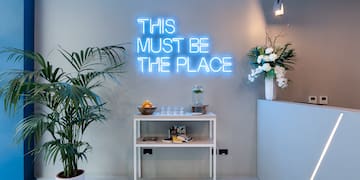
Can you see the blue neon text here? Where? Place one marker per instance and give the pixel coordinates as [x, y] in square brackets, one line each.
[160, 49]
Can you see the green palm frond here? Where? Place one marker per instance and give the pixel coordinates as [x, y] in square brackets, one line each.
[68, 100]
[16, 55]
[75, 95]
[77, 60]
[50, 74]
[34, 125]
[86, 80]
[94, 56]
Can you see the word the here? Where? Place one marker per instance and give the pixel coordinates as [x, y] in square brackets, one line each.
[185, 64]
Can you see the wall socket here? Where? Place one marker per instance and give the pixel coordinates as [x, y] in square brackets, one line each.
[223, 151]
[147, 151]
[312, 100]
[323, 100]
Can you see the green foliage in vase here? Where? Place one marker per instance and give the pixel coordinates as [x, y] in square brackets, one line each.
[67, 101]
[271, 60]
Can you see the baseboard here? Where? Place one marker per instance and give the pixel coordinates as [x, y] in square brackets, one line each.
[129, 178]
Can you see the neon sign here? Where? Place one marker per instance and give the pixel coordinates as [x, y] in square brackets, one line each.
[160, 49]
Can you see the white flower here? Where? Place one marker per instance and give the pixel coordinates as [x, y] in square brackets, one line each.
[282, 82]
[259, 59]
[280, 76]
[266, 67]
[251, 78]
[279, 71]
[266, 58]
[269, 50]
[273, 57]
[258, 70]
[254, 73]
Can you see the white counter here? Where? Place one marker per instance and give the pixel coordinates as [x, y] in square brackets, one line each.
[292, 137]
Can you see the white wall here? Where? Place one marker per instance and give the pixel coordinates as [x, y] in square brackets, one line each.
[234, 26]
[325, 34]
[292, 136]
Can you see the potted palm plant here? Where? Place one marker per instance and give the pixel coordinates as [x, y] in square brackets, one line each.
[66, 101]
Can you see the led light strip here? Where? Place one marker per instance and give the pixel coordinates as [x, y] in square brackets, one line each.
[327, 146]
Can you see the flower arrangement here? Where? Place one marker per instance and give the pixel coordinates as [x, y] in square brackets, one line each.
[272, 61]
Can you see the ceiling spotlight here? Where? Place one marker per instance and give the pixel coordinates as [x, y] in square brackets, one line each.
[278, 8]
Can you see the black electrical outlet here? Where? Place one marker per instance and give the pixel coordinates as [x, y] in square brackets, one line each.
[223, 151]
[147, 151]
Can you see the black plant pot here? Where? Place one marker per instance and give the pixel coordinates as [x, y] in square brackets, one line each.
[80, 176]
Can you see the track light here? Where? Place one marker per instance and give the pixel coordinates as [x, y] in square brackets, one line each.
[278, 8]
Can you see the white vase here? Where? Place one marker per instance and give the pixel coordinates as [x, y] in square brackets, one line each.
[79, 177]
[270, 89]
